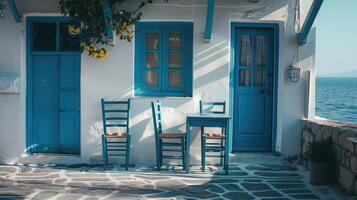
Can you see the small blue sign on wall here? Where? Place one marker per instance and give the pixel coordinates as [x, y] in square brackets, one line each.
[9, 84]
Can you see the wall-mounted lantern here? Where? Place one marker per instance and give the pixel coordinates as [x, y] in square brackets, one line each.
[294, 74]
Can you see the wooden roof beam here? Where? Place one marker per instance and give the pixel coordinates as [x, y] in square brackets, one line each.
[209, 21]
[14, 11]
[109, 21]
[309, 21]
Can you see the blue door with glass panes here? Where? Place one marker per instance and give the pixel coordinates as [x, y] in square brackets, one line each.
[53, 75]
[253, 89]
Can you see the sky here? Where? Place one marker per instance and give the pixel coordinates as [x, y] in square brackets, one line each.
[336, 37]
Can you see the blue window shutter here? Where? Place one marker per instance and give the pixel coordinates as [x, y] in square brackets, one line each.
[163, 30]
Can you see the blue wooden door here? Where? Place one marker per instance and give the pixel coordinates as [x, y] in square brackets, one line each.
[54, 87]
[56, 103]
[253, 89]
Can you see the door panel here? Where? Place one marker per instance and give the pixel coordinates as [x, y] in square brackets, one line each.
[253, 89]
[69, 97]
[45, 103]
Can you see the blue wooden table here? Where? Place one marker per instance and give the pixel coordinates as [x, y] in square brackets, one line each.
[207, 120]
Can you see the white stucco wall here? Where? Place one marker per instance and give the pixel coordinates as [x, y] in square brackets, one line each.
[12, 117]
[113, 78]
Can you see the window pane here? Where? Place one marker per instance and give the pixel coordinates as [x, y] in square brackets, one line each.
[244, 77]
[245, 57]
[151, 78]
[261, 51]
[175, 59]
[68, 42]
[174, 40]
[260, 76]
[175, 79]
[152, 41]
[152, 60]
[44, 36]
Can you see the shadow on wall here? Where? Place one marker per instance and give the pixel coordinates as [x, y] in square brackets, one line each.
[212, 66]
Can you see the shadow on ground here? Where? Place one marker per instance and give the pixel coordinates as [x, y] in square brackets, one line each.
[245, 182]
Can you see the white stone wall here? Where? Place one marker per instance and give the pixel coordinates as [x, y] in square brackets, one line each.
[113, 78]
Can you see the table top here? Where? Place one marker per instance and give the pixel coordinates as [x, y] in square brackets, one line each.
[207, 115]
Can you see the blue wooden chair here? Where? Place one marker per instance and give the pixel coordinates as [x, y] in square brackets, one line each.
[212, 142]
[170, 143]
[116, 115]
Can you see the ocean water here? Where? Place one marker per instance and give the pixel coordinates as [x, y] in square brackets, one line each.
[336, 99]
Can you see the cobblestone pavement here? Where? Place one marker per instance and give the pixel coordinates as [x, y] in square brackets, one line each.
[245, 182]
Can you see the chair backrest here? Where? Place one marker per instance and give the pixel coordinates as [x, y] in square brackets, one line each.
[116, 114]
[213, 107]
[157, 117]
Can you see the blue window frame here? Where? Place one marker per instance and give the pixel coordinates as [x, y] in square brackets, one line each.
[163, 58]
[51, 35]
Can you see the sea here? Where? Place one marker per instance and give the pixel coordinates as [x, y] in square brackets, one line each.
[336, 98]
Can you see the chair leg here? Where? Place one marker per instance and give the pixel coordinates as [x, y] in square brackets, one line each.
[104, 151]
[157, 142]
[225, 165]
[127, 154]
[221, 154]
[183, 153]
[203, 154]
[160, 154]
[226, 150]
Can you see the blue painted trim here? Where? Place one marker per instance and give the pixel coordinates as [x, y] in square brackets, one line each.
[14, 11]
[309, 21]
[275, 27]
[29, 91]
[109, 19]
[162, 29]
[209, 20]
[29, 74]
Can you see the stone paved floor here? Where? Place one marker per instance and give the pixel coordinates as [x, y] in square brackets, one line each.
[245, 182]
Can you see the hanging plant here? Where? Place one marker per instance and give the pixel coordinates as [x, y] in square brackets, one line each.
[92, 30]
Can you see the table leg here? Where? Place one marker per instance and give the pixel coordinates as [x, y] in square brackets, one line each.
[226, 153]
[187, 163]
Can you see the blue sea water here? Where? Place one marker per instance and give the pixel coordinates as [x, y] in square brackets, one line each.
[336, 98]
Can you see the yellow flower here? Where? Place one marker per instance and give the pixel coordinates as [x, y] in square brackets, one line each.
[94, 55]
[74, 30]
[86, 48]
